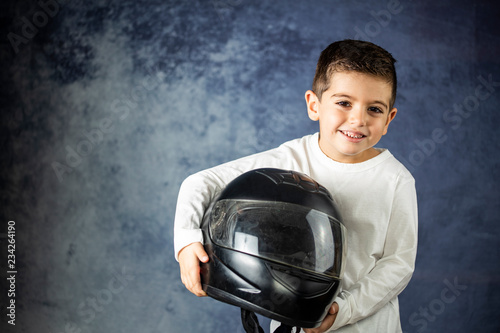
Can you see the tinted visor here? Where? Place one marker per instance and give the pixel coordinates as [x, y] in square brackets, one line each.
[282, 232]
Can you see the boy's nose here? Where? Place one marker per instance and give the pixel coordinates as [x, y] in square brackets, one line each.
[357, 117]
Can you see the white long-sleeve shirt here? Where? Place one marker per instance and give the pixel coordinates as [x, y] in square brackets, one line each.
[377, 201]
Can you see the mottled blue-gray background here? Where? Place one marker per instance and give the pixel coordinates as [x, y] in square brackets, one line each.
[106, 106]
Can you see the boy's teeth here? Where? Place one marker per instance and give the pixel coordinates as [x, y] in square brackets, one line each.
[351, 135]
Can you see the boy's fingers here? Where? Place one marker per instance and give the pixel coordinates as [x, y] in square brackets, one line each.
[198, 291]
[325, 325]
[327, 322]
[334, 308]
[189, 259]
[194, 281]
[201, 253]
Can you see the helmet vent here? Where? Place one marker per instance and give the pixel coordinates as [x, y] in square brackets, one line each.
[300, 282]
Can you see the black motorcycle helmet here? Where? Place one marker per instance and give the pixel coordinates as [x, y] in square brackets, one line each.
[276, 247]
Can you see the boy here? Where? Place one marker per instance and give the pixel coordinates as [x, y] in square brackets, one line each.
[353, 95]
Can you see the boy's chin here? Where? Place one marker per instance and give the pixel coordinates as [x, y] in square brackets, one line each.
[355, 156]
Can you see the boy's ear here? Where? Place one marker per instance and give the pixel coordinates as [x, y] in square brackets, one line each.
[312, 103]
[390, 117]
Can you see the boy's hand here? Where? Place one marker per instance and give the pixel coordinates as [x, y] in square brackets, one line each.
[189, 262]
[327, 322]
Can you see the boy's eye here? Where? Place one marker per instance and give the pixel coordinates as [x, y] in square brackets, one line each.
[344, 103]
[375, 109]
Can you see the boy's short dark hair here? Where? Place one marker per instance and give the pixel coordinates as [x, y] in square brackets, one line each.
[354, 55]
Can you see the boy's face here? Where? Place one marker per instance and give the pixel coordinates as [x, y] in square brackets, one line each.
[353, 115]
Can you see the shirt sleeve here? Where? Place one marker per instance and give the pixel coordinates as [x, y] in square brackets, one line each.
[198, 190]
[393, 270]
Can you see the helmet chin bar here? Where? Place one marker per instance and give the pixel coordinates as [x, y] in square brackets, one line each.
[276, 248]
[288, 298]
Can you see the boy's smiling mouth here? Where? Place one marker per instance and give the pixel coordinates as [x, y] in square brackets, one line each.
[352, 134]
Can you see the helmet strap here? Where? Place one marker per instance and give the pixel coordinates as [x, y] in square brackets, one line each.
[250, 322]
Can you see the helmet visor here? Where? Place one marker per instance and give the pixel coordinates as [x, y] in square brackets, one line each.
[281, 232]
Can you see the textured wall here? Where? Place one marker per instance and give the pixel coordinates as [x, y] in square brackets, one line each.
[106, 106]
